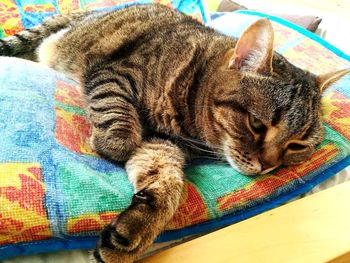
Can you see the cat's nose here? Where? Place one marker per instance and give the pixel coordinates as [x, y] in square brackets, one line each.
[269, 159]
[267, 166]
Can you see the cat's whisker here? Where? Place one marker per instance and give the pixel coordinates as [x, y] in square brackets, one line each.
[202, 143]
[301, 180]
[217, 160]
[207, 151]
[201, 149]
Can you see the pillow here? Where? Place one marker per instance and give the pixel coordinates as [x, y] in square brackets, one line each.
[23, 14]
[56, 193]
[309, 22]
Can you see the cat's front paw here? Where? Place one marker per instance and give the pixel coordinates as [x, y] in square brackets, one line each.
[114, 247]
[131, 233]
[156, 172]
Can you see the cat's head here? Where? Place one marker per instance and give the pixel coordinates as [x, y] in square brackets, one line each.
[263, 111]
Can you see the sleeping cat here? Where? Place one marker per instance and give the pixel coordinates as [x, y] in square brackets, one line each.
[156, 80]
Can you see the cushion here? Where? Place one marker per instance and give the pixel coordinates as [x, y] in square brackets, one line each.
[56, 193]
[309, 22]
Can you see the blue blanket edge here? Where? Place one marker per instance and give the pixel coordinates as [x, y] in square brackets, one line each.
[89, 242]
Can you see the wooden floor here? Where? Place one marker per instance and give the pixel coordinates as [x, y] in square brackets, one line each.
[315, 229]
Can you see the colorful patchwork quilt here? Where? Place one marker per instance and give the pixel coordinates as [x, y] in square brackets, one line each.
[16, 15]
[57, 193]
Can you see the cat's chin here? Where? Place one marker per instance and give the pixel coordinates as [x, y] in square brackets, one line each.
[241, 170]
[253, 169]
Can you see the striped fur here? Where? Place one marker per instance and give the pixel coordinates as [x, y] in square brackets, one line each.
[149, 72]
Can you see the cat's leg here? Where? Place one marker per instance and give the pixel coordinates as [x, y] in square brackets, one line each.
[116, 129]
[156, 173]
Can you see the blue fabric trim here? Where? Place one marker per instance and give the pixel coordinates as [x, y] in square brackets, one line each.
[300, 30]
[204, 10]
[44, 246]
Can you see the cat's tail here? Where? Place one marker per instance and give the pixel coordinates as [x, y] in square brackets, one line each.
[24, 43]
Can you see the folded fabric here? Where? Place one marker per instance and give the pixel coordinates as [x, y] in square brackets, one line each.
[309, 22]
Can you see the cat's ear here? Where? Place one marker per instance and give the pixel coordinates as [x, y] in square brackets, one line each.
[325, 80]
[254, 49]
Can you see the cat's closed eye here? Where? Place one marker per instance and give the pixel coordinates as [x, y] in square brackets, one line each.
[297, 147]
[256, 125]
[297, 152]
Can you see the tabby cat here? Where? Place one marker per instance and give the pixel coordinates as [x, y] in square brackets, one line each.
[156, 80]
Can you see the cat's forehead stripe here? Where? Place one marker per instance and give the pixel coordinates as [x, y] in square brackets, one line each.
[276, 118]
[231, 104]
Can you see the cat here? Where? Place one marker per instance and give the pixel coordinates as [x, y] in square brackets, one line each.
[156, 80]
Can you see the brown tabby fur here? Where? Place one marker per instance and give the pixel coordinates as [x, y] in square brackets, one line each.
[156, 80]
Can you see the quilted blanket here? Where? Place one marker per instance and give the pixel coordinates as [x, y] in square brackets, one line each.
[57, 193]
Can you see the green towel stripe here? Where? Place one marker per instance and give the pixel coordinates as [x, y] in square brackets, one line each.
[69, 108]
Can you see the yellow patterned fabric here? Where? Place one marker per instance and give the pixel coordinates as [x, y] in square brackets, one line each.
[23, 216]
